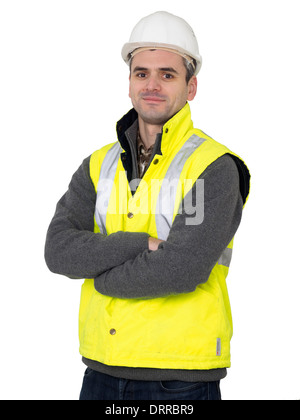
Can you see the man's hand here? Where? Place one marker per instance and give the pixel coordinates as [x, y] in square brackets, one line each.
[153, 243]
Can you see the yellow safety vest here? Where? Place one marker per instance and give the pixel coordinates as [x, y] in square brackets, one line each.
[187, 331]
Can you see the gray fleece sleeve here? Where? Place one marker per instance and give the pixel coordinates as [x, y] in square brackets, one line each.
[186, 259]
[72, 248]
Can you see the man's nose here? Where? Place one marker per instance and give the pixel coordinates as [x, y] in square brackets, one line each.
[153, 83]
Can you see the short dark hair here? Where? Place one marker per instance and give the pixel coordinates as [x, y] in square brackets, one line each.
[190, 69]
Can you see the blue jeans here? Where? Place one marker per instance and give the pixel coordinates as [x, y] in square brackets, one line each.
[98, 386]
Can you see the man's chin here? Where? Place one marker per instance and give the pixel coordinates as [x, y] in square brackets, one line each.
[154, 118]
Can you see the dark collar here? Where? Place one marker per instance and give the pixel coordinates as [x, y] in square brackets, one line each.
[122, 126]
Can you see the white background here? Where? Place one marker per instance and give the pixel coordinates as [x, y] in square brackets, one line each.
[63, 86]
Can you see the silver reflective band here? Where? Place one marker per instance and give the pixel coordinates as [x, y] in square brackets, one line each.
[225, 258]
[106, 184]
[166, 199]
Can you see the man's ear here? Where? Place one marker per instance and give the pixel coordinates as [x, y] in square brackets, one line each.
[192, 88]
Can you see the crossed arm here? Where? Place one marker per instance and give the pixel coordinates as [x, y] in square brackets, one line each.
[134, 265]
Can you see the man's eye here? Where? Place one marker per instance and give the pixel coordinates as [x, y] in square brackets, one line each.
[141, 75]
[167, 76]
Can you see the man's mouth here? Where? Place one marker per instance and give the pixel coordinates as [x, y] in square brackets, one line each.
[153, 97]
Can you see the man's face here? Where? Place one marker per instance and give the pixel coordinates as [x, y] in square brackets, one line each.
[158, 88]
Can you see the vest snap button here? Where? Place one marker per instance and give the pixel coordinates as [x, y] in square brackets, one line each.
[130, 215]
[155, 162]
[113, 331]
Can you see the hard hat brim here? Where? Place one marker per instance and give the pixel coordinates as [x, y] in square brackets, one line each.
[129, 47]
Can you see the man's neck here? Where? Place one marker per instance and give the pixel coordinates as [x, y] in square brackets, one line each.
[148, 133]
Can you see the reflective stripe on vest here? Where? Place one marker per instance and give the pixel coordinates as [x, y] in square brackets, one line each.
[105, 185]
[225, 258]
[165, 201]
[167, 195]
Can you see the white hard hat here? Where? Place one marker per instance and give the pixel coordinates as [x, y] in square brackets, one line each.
[163, 30]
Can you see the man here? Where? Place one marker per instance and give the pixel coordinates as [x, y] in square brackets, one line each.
[149, 221]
